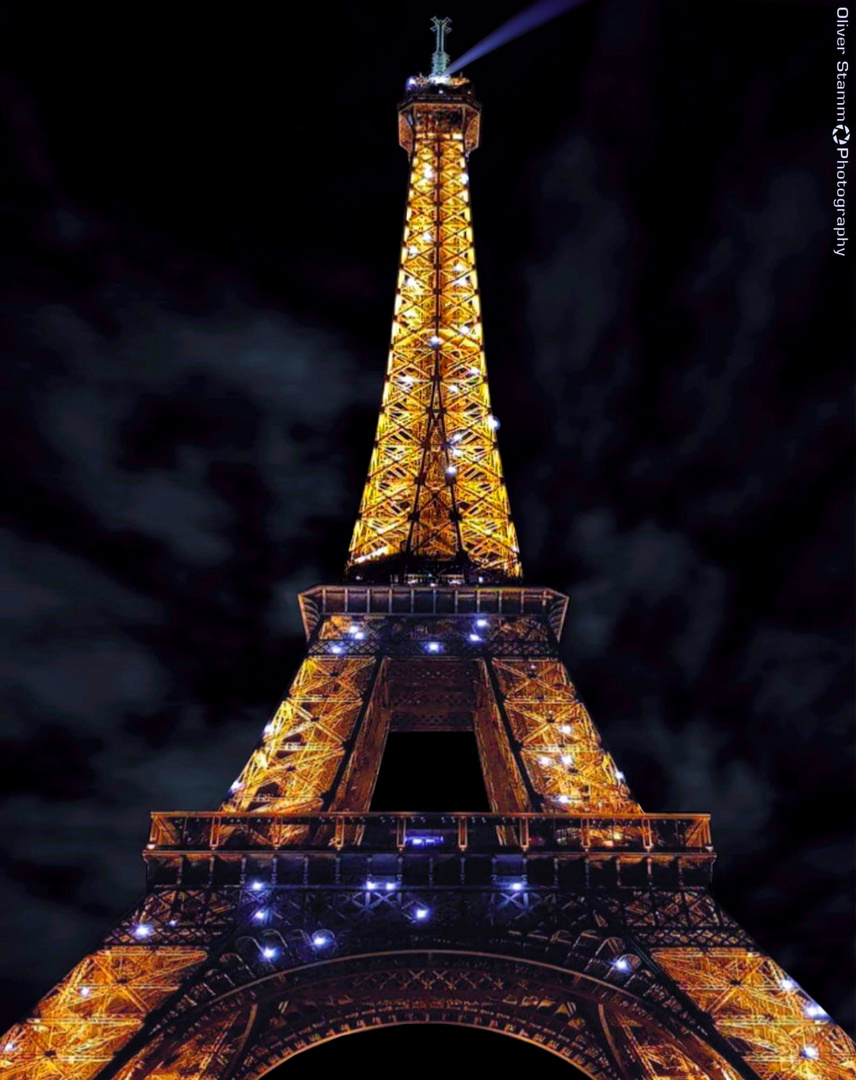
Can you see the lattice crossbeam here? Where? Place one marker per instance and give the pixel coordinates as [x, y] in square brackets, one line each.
[79, 1026]
[559, 745]
[780, 1031]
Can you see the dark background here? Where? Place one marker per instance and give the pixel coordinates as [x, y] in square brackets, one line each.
[201, 211]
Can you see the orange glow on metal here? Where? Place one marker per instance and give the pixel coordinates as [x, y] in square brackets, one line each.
[435, 487]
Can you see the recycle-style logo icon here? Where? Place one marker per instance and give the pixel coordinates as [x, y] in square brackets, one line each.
[841, 134]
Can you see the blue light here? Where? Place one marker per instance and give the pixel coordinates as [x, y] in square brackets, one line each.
[260, 915]
[424, 841]
[474, 637]
[621, 964]
[390, 886]
[270, 953]
[336, 649]
[518, 886]
[257, 886]
[421, 913]
[481, 622]
[433, 646]
[371, 885]
[320, 940]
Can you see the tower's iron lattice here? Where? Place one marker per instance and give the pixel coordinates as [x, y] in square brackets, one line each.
[566, 916]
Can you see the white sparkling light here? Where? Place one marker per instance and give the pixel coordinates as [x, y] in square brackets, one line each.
[481, 622]
[474, 637]
[269, 953]
[320, 940]
[260, 915]
[142, 930]
[492, 422]
[433, 646]
[421, 913]
[256, 886]
[810, 1052]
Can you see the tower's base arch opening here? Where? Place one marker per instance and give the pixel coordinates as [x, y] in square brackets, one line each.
[254, 1032]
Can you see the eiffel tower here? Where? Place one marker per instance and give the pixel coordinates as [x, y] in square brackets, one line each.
[564, 916]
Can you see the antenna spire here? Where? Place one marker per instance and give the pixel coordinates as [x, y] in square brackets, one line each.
[440, 59]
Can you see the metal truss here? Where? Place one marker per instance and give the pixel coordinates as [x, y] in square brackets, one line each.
[303, 747]
[435, 492]
[780, 1031]
[78, 1027]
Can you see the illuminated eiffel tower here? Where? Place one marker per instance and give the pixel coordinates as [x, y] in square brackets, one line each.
[565, 916]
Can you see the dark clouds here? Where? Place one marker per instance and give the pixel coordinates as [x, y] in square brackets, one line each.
[199, 279]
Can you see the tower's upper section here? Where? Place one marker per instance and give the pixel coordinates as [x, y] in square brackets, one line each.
[435, 503]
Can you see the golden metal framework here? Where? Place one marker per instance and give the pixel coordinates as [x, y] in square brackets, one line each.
[566, 917]
[435, 494]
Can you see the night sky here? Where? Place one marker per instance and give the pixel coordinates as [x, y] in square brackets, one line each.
[201, 216]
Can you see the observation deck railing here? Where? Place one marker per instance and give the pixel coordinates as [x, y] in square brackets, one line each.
[602, 835]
